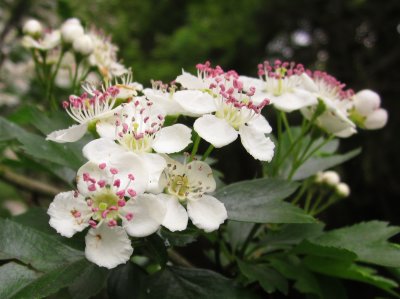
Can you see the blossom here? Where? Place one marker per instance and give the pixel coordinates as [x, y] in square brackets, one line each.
[110, 201]
[286, 84]
[104, 56]
[47, 42]
[33, 28]
[235, 114]
[71, 29]
[366, 111]
[336, 101]
[138, 128]
[188, 185]
[83, 45]
[85, 110]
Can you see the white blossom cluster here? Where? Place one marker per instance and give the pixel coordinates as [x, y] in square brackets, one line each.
[130, 186]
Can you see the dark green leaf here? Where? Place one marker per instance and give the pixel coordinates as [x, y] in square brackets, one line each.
[260, 201]
[42, 251]
[155, 247]
[14, 277]
[89, 282]
[183, 283]
[368, 240]
[180, 239]
[269, 279]
[339, 254]
[237, 233]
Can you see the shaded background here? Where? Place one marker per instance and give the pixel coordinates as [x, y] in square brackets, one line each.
[357, 41]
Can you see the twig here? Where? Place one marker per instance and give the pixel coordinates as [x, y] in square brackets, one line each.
[27, 183]
[178, 259]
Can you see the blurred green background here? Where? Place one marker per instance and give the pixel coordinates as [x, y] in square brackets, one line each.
[358, 41]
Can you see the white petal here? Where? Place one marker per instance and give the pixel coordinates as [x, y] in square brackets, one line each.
[163, 101]
[176, 217]
[249, 82]
[108, 247]
[155, 165]
[106, 128]
[295, 100]
[172, 139]
[101, 150]
[260, 124]
[62, 210]
[308, 83]
[189, 81]
[95, 172]
[200, 176]
[215, 130]
[346, 132]
[207, 213]
[148, 214]
[376, 120]
[195, 102]
[256, 144]
[72, 134]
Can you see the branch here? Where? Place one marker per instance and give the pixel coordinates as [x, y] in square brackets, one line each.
[27, 183]
[178, 259]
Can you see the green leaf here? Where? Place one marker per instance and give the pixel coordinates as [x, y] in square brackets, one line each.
[237, 233]
[293, 233]
[155, 248]
[260, 201]
[343, 269]
[126, 282]
[89, 282]
[63, 154]
[269, 279]
[179, 239]
[32, 247]
[368, 240]
[339, 254]
[13, 278]
[183, 283]
[320, 163]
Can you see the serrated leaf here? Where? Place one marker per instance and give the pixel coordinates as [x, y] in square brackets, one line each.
[32, 247]
[368, 240]
[177, 238]
[89, 282]
[269, 279]
[340, 254]
[261, 201]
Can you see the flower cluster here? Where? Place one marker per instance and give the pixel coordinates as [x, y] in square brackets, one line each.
[131, 185]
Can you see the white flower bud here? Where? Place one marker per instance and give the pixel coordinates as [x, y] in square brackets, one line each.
[343, 190]
[331, 178]
[33, 28]
[83, 45]
[366, 101]
[71, 29]
[376, 120]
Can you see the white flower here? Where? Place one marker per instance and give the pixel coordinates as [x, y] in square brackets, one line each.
[139, 129]
[49, 41]
[366, 111]
[331, 178]
[235, 115]
[343, 190]
[71, 29]
[33, 28]
[106, 196]
[104, 56]
[127, 88]
[335, 119]
[187, 185]
[85, 110]
[83, 45]
[286, 84]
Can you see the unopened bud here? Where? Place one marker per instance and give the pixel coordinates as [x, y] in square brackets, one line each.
[366, 101]
[343, 190]
[83, 45]
[331, 178]
[71, 30]
[376, 120]
[33, 28]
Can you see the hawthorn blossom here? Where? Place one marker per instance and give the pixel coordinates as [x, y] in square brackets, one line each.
[47, 41]
[104, 56]
[286, 84]
[336, 100]
[86, 111]
[187, 186]
[110, 201]
[138, 128]
[366, 111]
[235, 114]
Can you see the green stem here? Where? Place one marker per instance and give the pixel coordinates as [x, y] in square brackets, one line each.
[330, 202]
[195, 147]
[302, 190]
[250, 236]
[287, 126]
[208, 152]
[308, 200]
[75, 76]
